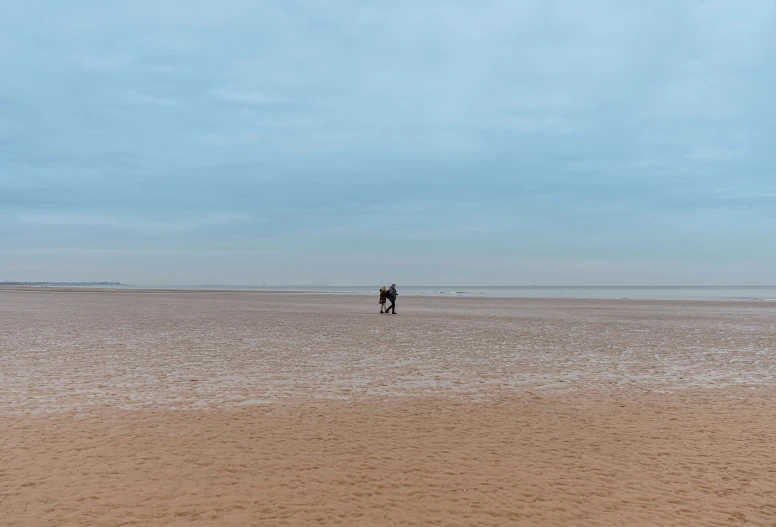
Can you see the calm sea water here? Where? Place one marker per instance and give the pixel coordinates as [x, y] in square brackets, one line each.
[636, 292]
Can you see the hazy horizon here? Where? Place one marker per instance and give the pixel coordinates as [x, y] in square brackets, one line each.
[594, 144]
[415, 285]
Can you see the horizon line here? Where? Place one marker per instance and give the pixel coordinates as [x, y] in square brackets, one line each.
[444, 285]
[116, 282]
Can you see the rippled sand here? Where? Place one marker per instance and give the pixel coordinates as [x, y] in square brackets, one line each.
[150, 408]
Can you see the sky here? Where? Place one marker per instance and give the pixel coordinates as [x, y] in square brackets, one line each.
[512, 142]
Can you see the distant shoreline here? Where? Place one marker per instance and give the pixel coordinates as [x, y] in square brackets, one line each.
[305, 287]
[61, 284]
[414, 293]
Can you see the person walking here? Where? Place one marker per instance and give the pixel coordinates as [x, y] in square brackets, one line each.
[392, 294]
[383, 296]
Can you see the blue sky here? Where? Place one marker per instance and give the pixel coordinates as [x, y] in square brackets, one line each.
[481, 143]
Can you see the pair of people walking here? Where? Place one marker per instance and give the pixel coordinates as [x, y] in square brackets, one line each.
[391, 295]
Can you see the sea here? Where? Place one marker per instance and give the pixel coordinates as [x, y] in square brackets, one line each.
[740, 293]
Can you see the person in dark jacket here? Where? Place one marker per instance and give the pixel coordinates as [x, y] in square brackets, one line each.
[392, 294]
[383, 296]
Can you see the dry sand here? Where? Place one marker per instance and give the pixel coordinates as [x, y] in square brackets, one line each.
[159, 408]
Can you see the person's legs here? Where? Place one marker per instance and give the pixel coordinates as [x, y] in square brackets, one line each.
[382, 307]
[392, 306]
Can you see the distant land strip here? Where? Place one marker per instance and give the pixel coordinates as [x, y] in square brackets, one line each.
[55, 284]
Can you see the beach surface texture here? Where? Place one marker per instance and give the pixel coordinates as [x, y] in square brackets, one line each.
[151, 408]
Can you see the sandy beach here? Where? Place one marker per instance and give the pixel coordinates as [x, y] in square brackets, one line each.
[237, 408]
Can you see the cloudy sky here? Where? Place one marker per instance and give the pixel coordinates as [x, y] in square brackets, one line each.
[419, 142]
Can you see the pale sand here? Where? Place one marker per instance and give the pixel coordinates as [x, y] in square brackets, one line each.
[124, 408]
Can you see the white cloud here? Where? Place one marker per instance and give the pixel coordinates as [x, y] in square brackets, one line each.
[246, 97]
[156, 226]
[709, 153]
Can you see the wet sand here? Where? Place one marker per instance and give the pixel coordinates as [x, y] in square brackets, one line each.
[149, 408]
